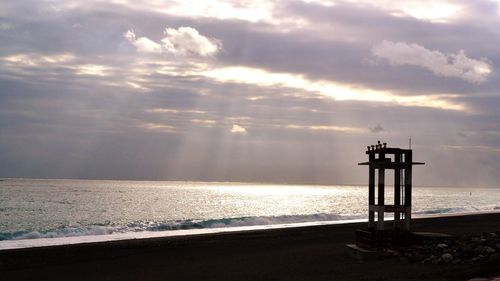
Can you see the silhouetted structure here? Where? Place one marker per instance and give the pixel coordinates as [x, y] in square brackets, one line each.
[383, 158]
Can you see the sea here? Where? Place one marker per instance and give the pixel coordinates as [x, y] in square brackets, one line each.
[42, 212]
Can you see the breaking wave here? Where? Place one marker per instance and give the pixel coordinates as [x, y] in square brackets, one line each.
[457, 210]
[446, 211]
[170, 225]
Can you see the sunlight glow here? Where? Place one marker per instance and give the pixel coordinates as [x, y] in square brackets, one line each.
[483, 69]
[175, 111]
[136, 86]
[206, 122]
[480, 148]
[285, 190]
[334, 90]
[158, 127]
[252, 11]
[328, 128]
[256, 98]
[139, 75]
[431, 11]
[64, 60]
[91, 69]
[327, 3]
[37, 60]
[268, 11]
[237, 129]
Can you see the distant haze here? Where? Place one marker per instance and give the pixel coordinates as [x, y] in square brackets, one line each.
[260, 91]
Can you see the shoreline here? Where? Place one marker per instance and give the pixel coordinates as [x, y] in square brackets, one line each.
[88, 239]
[301, 253]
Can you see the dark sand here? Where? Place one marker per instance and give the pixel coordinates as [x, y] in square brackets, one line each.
[308, 253]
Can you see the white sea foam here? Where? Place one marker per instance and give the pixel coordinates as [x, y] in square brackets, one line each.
[70, 240]
[66, 232]
[76, 239]
[447, 211]
[140, 230]
[152, 226]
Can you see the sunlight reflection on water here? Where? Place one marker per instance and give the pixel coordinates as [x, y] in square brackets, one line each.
[52, 208]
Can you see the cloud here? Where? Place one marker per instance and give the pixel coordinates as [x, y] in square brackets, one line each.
[377, 129]
[447, 65]
[237, 129]
[6, 26]
[181, 41]
[143, 44]
[188, 41]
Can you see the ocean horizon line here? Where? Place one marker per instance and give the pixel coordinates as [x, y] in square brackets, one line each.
[234, 182]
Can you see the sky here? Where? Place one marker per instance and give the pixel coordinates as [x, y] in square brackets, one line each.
[255, 91]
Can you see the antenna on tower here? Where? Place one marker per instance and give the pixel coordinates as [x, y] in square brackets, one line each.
[409, 143]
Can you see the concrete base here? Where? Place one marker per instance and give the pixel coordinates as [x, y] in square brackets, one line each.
[433, 235]
[419, 237]
[362, 254]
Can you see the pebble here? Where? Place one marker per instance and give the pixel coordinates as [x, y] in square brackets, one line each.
[478, 249]
[464, 249]
[429, 259]
[489, 250]
[495, 257]
[447, 258]
[469, 248]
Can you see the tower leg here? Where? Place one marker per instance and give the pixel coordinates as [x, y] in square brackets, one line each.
[397, 190]
[381, 193]
[371, 198]
[408, 159]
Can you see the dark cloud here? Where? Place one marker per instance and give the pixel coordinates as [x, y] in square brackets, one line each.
[377, 129]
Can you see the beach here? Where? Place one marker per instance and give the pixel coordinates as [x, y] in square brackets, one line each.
[303, 253]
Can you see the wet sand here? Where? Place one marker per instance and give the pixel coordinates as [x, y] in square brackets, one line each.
[306, 253]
